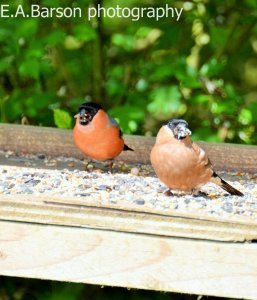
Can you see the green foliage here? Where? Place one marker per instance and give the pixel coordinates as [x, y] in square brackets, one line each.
[166, 102]
[31, 289]
[67, 291]
[62, 119]
[201, 68]
[127, 117]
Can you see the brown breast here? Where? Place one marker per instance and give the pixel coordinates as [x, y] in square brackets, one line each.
[180, 164]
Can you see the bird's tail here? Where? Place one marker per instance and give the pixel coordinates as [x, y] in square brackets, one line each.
[223, 184]
[127, 148]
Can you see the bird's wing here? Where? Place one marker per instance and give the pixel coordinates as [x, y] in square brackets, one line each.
[215, 178]
[202, 156]
[113, 122]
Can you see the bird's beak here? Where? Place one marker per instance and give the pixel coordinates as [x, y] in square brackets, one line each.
[188, 131]
[77, 115]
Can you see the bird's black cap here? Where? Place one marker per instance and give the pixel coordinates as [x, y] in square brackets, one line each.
[90, 106]
[179, 128]
[174, 122]
[87, 111]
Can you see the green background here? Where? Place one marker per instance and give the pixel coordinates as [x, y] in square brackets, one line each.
[31, 289]
[202, 68]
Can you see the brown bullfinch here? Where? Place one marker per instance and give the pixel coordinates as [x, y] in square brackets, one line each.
[97, 135]
[181, 164]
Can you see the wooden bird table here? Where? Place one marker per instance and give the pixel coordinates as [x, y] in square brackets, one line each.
[84, 238]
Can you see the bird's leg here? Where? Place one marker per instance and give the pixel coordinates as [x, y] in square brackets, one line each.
[168, 193]
[86, 165]
[110, 166]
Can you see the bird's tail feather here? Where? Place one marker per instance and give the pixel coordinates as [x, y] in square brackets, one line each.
[223, 184]
[127, 148]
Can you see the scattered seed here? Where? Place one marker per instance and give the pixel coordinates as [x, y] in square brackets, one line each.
[140, 201]
[134, 186]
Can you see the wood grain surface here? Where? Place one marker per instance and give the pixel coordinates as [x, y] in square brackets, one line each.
[58, 142]
[128, 260]
[79, 213]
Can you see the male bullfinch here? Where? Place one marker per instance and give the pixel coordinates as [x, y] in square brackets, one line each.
[181, 164]
[97, 135]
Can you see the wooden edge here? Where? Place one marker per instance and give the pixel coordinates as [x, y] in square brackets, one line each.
[77, 213]
[128, 260]
[130, 207]
[58, 142]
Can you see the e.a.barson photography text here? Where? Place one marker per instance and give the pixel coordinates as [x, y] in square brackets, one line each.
[117, 11]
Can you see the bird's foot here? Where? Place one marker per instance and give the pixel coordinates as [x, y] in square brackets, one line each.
[197, 193]
[110, 167]
[86, 164]
[168, 193]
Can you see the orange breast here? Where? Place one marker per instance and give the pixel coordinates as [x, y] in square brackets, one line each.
[98, 140]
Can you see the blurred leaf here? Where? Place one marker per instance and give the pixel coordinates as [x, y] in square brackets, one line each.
[146, 37]
[115, 87]
[188, 77]
[251, 3]
[253, 109]
[245, 136]
[35, 50]
[56, 37]
[205, 134]
[52, 3]
[62, 119]
[245, 116]
[84, 33]
[128, 117]
[163, 72]
[127, 42]
[212, 67]
[166, 101]
[27, 28]
[72, 43]
[4, 33]
[201, 99]
[5, 63]
[232, 95]
[142, 85]
[219, 36]
[222, 107]
[29, 68]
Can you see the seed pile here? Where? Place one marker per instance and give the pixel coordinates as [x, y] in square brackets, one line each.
[129, 185]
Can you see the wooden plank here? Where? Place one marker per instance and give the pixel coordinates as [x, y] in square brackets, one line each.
[128, 260]
[71, 239]
[58, 142]
[77, 212]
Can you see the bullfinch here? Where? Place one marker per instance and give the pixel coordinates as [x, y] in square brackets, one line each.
[97, 135]
[181, 164]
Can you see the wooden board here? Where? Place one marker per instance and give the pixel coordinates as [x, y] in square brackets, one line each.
[69, 239]
[128, 260]
[58, 142]
[77, 212]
